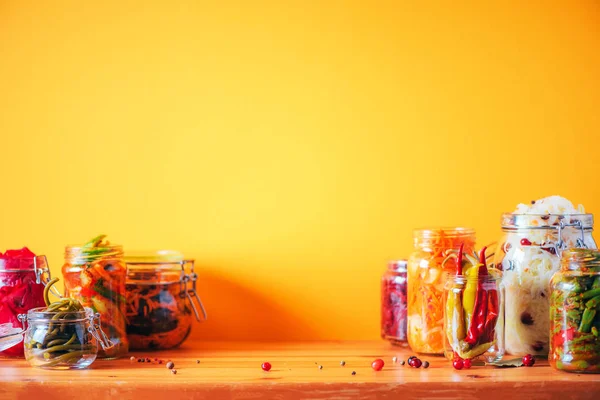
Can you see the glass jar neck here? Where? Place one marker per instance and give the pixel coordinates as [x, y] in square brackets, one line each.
[154, 273]
[444, 238]
[582, 260]
[397, 266]
[81, 255]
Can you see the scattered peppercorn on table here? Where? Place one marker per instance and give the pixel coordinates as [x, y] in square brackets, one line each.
[232, 370]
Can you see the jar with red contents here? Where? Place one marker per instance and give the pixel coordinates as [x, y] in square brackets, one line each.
[22, 279]
[393, 303]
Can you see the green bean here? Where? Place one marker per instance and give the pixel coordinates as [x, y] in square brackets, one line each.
[65, 358]
[590, 293]
[47, 290]
[593, 303]
[586, 320]
[596, 283]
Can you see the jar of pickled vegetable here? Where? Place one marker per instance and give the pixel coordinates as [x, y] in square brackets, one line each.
[426, 285]
[528, 255]
[22, 279]
[62, 339]
[575, 313]
[393, 303]
[161, 300]
[473, 311]
[95, 275]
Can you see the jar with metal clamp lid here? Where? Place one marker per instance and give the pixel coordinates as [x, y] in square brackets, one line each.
[22, 279]
[58, 339]
[529, 254]
[162, 300]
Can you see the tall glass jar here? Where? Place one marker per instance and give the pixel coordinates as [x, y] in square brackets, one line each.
[95, 275]
[22, 279]
[161, 300]
[474, 316]
[528, 255]
[575, 313]
[426, 285]
[393, 303]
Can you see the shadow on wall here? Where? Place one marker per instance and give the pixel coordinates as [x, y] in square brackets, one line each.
[236, 312]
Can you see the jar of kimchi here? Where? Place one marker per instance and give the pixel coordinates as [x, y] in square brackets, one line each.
[426, 285]
[574, 316]
[95, 274]
[161, 300]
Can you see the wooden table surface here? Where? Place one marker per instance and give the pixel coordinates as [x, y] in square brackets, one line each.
[232, 371]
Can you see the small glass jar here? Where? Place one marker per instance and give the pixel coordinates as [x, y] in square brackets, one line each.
[161, 300]
[21, 289]
[97, 279]
[575, 313]
[393, 303]
[474, 316]
[528, 255]
[61, 340]
[426, 285]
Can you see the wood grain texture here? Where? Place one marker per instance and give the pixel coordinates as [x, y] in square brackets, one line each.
[232, 371]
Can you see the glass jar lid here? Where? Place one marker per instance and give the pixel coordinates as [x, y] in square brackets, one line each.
[583, 260]
[514, 222]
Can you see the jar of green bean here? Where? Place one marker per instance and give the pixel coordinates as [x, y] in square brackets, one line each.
[62, 339]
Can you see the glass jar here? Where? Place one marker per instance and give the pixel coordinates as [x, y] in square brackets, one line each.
[393, 303]
[528, 256]
[474, 316]
[22, 282]
[61, 340]
[426, 285]
[161, 300]
[575, 313]
[96, 277]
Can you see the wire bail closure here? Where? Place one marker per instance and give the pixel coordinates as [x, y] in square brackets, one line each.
[95, 329]
[580, 243]
[188, 285]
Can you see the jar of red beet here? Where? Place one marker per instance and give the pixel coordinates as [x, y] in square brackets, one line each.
[22, 279]
[393, 303]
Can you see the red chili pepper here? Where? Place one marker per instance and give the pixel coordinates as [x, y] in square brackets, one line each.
[492, 315]
[459, 259]
[478, 319]
[482, 260]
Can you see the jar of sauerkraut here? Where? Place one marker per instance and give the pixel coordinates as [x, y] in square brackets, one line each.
[426, 285]
[529, 254]
[161, 300]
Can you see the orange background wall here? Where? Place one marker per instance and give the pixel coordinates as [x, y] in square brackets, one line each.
[290, 147]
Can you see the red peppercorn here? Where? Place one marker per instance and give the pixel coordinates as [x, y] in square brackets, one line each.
[467, 363]
[458, 363]
[266, 366]
[525, 242]
[528, 360]
[378, 364]
[416, 363]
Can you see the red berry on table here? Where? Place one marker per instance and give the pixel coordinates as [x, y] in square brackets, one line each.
[266, 366]
[458, 363]
[528, 360]
[378, 364]
[467, 363]
[525, 242]
[416, 363]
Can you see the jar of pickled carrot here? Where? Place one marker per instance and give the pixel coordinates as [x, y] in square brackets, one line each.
[161, 299]
[426, 285]
[95, 275]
